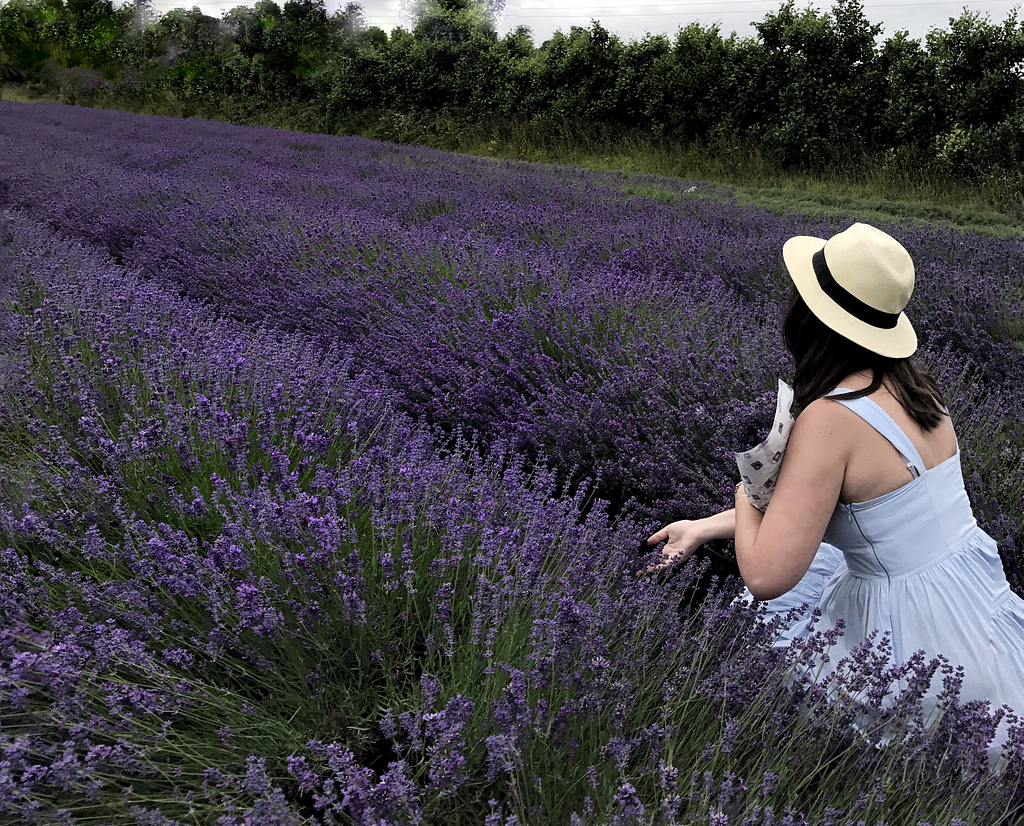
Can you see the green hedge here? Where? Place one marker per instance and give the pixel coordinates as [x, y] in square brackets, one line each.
[811, 89]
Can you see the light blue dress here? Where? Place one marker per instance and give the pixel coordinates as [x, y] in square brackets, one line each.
[915, 563]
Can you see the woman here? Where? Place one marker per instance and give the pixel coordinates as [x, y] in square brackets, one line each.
[872, 468]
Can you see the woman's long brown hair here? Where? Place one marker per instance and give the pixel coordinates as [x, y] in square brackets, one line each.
[823, 358]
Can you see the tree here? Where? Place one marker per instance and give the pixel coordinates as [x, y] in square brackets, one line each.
[22, 40]
[578, 74]
[816, 89]
[913, 113]
[980, 67]
[349, 22]
[84, 33]
[690, 93]
[271, 47]
[980, 84]
[453, 20]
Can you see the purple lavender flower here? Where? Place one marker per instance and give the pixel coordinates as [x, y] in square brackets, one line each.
[302, 465]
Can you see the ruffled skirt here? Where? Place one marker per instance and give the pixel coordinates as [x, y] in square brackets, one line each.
[961, 609]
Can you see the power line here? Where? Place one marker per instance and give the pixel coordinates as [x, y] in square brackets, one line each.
[686, 10]
[720, 3]
[681, 9]
[683, 13]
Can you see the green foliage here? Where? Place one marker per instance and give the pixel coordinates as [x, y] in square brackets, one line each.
[814, 84]
[22, 46]
[453, 21]
[979, 67]
[912, 110]
[980, 78]
[423, 73]
[579, 74]
[812, 90]
[695, 83]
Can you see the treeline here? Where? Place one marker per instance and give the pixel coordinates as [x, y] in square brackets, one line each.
[810, 88]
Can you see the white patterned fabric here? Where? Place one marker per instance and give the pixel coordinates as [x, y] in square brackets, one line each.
[759, 466]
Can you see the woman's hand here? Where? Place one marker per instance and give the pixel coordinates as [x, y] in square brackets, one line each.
[683, 538]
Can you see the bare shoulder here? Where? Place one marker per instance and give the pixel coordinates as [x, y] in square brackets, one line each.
[824, 425]
[823, 413]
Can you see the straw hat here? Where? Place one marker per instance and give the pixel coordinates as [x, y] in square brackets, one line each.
[857, 283]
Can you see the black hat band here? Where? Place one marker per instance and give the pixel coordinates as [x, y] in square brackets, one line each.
[849, 302]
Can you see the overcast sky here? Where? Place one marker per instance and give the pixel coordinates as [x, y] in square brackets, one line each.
[633, 21]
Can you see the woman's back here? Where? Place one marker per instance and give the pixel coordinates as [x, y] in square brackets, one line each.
[874, 467]
[917, 524]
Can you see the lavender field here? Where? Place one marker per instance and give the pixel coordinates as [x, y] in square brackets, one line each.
[326, 466]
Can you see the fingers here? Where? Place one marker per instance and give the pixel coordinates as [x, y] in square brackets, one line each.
[658, 569]
[660, 536]
[669, 561]
[654, 568]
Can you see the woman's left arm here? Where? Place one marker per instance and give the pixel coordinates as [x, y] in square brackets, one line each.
[775, 550]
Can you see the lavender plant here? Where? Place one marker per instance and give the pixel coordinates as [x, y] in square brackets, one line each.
[308, 522]
[623, 339]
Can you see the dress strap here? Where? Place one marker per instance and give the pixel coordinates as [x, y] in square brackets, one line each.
[954, 429]
[871, 412]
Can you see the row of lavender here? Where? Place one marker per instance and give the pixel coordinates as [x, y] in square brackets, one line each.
[632, 341]
[238, 587]
[279, 596]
